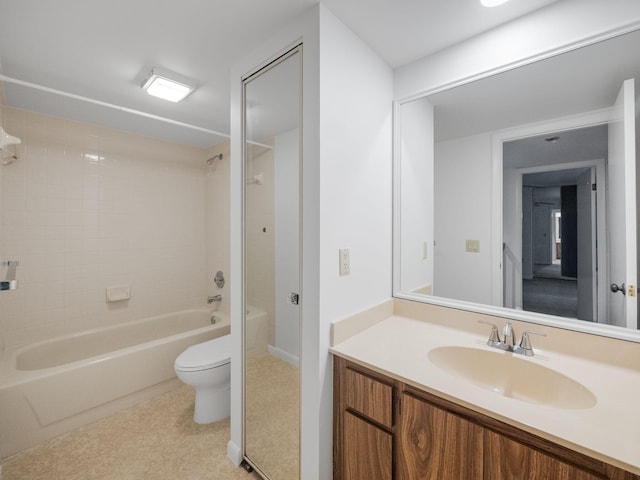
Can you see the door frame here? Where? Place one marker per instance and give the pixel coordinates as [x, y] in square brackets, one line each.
[600, 295]
[588, 119]
[297, 48]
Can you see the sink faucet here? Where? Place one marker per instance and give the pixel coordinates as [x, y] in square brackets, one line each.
[509, 339]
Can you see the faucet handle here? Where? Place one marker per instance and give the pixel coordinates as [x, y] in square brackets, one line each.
[525, 347]
[494, 337]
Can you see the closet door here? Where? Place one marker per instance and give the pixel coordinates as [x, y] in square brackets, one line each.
[271, 231]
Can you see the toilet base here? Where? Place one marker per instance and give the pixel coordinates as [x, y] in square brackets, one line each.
[211, 405]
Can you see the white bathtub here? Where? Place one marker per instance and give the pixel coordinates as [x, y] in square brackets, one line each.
[54, 386]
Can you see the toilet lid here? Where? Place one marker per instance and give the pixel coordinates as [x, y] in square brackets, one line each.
[202, 356]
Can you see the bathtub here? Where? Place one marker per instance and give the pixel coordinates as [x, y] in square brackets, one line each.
[54, 386]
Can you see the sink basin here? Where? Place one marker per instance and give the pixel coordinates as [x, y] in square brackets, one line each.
[513, 377]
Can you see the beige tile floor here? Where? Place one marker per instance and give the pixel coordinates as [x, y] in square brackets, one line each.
[155, 440]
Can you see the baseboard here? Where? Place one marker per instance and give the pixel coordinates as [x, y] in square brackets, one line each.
[234, 453]
[282, 355]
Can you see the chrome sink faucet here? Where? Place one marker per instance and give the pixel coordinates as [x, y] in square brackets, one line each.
[509, 339]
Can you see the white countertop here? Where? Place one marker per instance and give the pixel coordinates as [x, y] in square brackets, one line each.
[609, 431]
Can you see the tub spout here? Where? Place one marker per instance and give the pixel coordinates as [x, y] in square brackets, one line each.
[214, 298]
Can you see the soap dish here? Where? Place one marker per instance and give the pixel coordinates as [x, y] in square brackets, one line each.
[118, 293]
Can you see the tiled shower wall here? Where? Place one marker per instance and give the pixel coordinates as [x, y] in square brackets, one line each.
[86, 208]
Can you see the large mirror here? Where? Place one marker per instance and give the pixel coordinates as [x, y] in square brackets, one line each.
[515, 194]
[271, 104]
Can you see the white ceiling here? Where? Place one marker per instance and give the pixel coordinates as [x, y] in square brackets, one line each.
[102, 49]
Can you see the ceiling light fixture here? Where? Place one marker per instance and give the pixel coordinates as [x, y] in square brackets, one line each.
[492, 3]
[167, 85]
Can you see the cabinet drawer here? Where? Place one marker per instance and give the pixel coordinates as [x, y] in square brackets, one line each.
[369, 397]
[367, 450]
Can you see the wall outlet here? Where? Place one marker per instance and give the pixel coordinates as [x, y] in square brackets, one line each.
[345, 262]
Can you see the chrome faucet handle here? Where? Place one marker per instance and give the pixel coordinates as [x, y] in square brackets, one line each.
[494, 337]
[525, 347]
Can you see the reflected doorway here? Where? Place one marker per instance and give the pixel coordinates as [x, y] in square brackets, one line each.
[561, 200]
[549, 285]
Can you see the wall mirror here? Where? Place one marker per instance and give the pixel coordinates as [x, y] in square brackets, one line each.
[271, 105]
[515, 194]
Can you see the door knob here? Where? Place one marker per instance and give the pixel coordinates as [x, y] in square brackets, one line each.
[615, 288]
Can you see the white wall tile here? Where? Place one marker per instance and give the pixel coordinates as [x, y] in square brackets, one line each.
[87, 207]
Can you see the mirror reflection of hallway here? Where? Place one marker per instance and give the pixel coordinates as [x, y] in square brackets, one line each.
[550, 285]
[560, 204]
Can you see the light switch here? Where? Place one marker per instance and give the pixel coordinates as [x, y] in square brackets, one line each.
[473, 246]
[425, 250]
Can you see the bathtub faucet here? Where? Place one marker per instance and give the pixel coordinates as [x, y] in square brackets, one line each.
[214, 298]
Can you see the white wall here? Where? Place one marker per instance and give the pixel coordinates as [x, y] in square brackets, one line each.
[287, 226]
[417, 196]
[463, 212]
[512, 242]
[355, 191]
[560, 25]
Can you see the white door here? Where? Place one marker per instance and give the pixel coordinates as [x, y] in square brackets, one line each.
[621, 210]
[586, 243]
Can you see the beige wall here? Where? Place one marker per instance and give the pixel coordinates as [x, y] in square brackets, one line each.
[217, 204]
[88, 207]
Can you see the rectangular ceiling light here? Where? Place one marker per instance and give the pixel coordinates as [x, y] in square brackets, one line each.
[167, 85]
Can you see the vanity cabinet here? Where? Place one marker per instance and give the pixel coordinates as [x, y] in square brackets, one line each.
[364, 416]
[507, 458]
[434, 444]
[385, 429]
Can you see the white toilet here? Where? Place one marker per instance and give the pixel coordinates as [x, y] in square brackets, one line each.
[207, 367]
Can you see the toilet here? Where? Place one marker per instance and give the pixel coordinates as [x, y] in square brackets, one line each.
[207, 367]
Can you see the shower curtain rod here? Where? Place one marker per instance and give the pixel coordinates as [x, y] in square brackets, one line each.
[140, 113]
[42, 88]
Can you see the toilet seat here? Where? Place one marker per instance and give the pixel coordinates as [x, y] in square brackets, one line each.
[206, 355]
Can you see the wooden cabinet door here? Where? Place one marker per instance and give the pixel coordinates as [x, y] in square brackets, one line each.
[507, 458]
[367, 450]
[434, 444]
